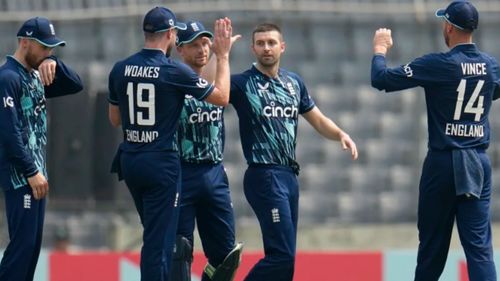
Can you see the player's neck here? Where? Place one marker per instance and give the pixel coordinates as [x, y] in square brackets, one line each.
[271, 71]
[460, 40]
[155, 46]
[21, 59]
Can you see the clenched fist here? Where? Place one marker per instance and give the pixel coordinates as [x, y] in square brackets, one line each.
[382, 41]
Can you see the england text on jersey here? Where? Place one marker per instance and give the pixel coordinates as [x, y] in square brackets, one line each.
[141, 136]
[463, 130]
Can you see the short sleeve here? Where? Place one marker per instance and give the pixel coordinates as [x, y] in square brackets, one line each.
[236, 91]
[306, 102]
[112, 95]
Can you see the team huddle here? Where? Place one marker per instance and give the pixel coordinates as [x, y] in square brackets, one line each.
[171, 158]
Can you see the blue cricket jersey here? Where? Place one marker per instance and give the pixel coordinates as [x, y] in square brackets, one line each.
[23, 119]
[268, 111]
[459, 85]
[201, 132]
[149, 89]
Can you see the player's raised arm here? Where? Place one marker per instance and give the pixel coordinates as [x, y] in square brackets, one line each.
[58, 78]
[221, 46]
[209, 70]
[328, 129]
[397, 78]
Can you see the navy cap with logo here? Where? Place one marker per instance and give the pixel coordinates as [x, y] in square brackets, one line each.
[461, 14]
[194, 30]
[161, 19]
[41, 30]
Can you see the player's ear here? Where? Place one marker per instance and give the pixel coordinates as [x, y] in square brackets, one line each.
[283, 46]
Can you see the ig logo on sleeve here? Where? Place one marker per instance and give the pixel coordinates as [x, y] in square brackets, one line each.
[8, 102]
[202, 83]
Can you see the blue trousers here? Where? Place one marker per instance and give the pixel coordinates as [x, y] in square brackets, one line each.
[25, 217]
[273, 194]
[206, 199]
[439, 207]
[153, 179]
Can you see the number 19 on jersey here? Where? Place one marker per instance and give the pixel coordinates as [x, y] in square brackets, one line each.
[140, 100]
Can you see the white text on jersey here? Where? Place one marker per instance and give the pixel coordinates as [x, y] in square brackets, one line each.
[205, 116]
[141, 136]
[142, 71]
[463, 130]
[277, 111]
[473, 68]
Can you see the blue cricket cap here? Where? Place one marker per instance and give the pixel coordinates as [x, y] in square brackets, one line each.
[461, 14]
[41, 30]
[161, 19]
[194, 30]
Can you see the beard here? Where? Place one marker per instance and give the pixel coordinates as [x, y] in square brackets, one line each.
[267, 61]
[446, 38]
[32, 60]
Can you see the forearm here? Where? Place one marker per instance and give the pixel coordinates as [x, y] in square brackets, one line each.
[17, 153]
[328, 129]
[208, 72]
[378, 71]
[66, 82]
[222, 78]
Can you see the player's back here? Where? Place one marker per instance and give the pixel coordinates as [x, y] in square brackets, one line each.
[459, 93]
[144, 87]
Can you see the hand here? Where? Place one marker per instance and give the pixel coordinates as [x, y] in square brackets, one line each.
[382, 41]
[348, 143]
[47, 70]
[39, 185]
[223, 37]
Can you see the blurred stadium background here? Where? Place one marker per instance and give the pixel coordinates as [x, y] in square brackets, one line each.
[367, 205]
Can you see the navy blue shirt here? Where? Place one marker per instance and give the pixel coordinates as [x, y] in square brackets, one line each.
[201, 132]
[23, 119]
[459, 86]
[268, 111]
[149, 89]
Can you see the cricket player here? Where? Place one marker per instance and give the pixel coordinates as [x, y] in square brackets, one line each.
[27, 78]
[205, 195]
[146, 96]
[268, 100]
[460, 86]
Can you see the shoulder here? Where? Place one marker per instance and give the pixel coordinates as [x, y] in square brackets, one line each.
[9, 75]
[243, 76]
[292, 75]
[179, 67]
[432, 58]
[489, 57]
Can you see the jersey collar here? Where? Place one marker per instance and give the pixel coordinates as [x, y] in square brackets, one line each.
[256, 70]
[464, 47]
[13, 60]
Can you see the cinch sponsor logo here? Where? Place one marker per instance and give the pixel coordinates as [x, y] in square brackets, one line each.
[278, 111]
[205, 116]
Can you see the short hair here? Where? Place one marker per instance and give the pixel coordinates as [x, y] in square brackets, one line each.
[153, 36]
[266, 27]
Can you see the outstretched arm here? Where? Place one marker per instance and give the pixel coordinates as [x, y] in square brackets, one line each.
[327, 128]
